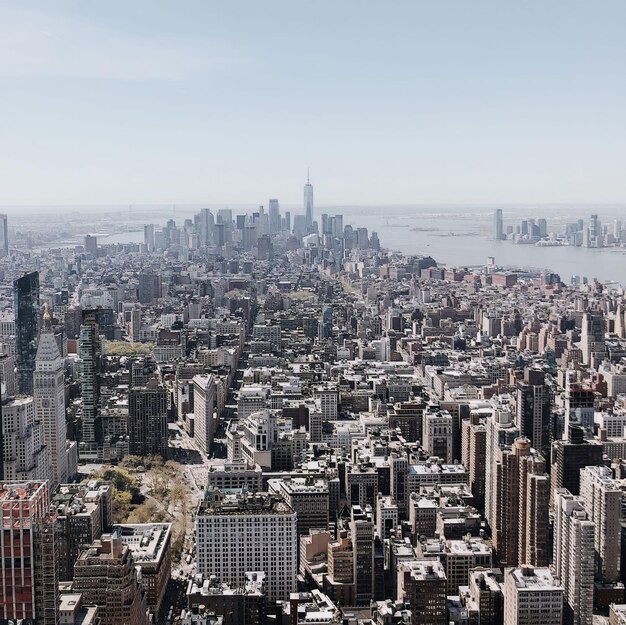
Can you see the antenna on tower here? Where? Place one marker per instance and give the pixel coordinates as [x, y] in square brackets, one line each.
[307, 176]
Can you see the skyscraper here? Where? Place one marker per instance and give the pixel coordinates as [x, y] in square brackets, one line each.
[147, 419]
[89, 354]
[148, 237]
[274, 211]
[207, 222]
[49, 396]
[533, 410]
[4, 236]
[603, 501]
[308, 203]
[521, 498]
[28, 560]
[26, 310]
[498, 225]
[573, 557]
[105, 574]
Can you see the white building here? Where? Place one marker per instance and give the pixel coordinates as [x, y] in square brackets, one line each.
[242, 532]
[574, 557]
[25, 452]
[251, 399]
[49, 400]
[437, 434]
[532, 597]
[328, 397]
[603, 501]
[204, 398]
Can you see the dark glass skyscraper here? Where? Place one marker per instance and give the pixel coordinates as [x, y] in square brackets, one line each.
[26, 310]
[89, 354]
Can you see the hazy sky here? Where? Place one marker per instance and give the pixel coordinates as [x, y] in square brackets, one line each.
[396, 102]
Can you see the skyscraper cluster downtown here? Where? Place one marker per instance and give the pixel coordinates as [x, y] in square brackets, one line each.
[267, 417]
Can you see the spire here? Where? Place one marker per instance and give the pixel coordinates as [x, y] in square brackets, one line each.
[47, 317]
[307, 176]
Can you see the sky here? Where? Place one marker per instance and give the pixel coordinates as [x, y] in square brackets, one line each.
[401, 102]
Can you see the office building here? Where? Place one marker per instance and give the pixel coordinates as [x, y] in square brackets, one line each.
[148, 237]
[573, 557]
[362, 536]
[106, 575]
[533, 410]
[26, 311]
[4, 235]
[274, 216]
[308, 205]
[83, 514]
[570, 456]
[241, 532]
[592, 339]
[91, 245]
[532, 596]
[422, 584]
[204, 402]
[147, 419]
[236, 605]
[437, 434]
[498, 225]
[28, 560]
[149, 287]
[149, 544]
[309, 498]
[49, 400]
[25, 453]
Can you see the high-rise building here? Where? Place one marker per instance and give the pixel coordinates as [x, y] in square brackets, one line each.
[26, 311]
[532, 596]
[437, 434]
[274, 214]
[91, 245]
[149, 287]
[89, 355]
[308, 204]
[422, 584]
[570, 456]
[580, 404]
[473, 455]
[28, 559]
[592, 339]
[25, 452]
[521, 504]
[498, 225]
[603, 501]
[533, 410]
[204, 401]
[49, 397]
[362, 534]
[147, 419]
[206, 226]
[106, 575]
[241, 532]
[150, 546]
[148, 237]
[574, 557]
[4, 236]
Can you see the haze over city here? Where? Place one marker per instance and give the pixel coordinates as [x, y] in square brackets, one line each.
[417, 102]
